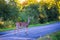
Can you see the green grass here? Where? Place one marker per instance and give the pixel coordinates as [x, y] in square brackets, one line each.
[34, 25]
[53, 36]
[12, 28]
[6, 29]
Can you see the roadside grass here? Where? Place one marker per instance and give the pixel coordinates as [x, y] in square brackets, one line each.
[7, 29]
[53, 36]
[33, 25]
[12, 28]
[47, 23]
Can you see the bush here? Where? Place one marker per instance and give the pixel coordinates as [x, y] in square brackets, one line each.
[6, 24]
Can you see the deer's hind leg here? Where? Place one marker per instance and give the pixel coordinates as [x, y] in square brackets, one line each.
[17, 28]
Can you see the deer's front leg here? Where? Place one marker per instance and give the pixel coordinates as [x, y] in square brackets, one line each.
[26, 29]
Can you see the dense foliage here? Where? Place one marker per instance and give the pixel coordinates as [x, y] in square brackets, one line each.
[40, 12]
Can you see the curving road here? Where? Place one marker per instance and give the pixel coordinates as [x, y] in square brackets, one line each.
[32, 34]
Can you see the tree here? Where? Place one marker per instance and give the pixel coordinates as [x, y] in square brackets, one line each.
[9, 11]
[48, 10]
[32, 11]
[58, 7]
[2, 7]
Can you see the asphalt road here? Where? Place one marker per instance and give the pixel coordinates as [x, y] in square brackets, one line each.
[32, 34]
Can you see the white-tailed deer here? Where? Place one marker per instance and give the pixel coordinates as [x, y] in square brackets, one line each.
[20, 25]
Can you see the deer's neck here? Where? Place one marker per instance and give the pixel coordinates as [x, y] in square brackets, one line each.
[28, 20]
